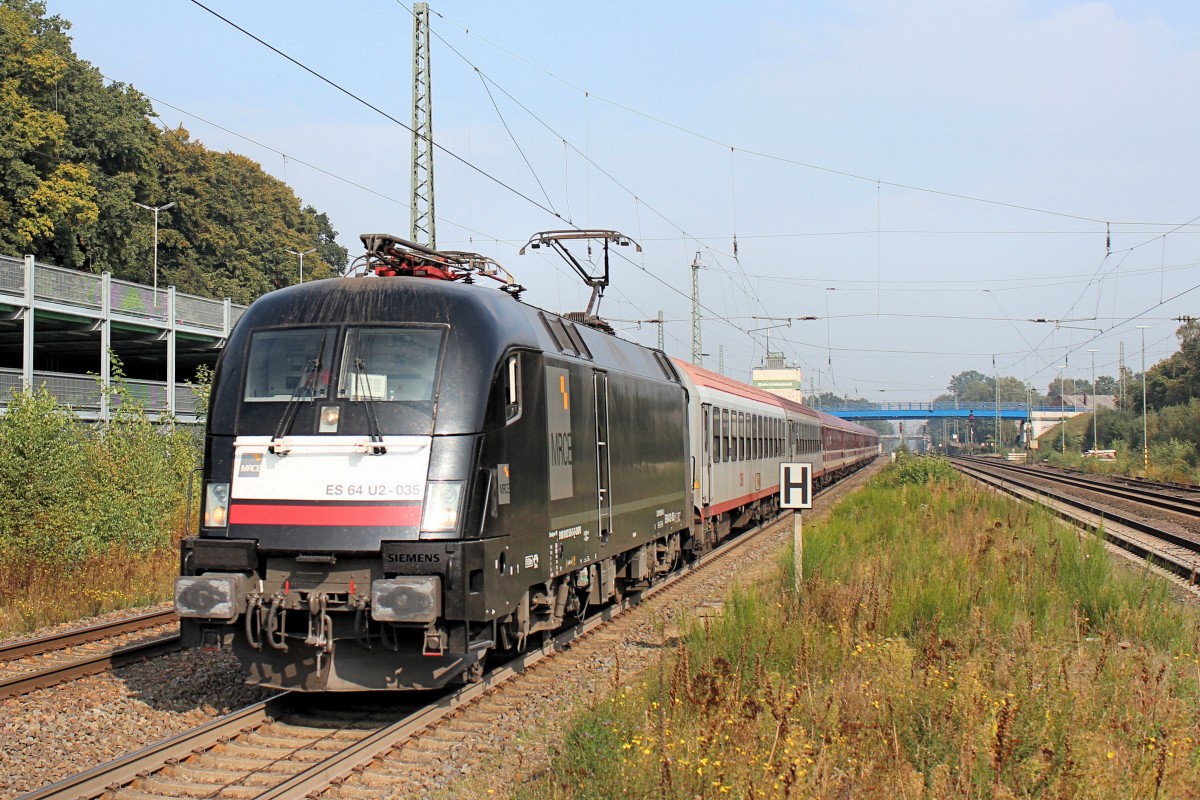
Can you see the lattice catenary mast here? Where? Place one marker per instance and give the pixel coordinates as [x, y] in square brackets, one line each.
[423, 229]
[697, 351]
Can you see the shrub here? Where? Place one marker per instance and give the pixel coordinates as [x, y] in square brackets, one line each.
[70, 489]
[921, 469]
[45, 469]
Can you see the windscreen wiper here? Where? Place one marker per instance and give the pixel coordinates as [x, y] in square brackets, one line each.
[305, 385]
[360, 379]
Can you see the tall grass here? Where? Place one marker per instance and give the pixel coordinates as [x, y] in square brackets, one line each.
[946, 643]
[90, 514]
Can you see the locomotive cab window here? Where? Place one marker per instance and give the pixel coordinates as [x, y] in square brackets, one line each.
[389, 364]
[289, 364]
[505, 406]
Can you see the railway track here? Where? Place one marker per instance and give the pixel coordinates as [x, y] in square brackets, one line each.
[287, 747]
[1074, 499]
[1172, 497]
[45, 661]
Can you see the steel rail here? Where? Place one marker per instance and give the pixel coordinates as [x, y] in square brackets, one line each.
[1145, 495]
[58, 641]
[103, 662]
[1124, 531]
[124, 770]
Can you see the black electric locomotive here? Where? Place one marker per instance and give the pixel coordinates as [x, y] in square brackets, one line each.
[405, 471]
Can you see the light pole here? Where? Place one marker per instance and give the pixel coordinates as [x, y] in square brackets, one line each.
[1028, 417]
[1095, 408]
[1062, 411]
[1145, 431]
[155, 209]
[302, 255]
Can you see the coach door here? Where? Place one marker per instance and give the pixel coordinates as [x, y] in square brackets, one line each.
[707, 438]
[603, 459]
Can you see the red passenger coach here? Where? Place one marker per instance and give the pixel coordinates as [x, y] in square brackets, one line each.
[740, 435]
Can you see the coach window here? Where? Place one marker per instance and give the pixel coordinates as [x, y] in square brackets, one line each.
[742, 435]
[725, 434]
[731, 437]
[736, 435]
[716, 434]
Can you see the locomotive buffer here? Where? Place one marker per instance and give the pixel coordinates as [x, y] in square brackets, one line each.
[795, 492]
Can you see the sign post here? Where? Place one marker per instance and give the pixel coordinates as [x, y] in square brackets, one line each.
[795, 492]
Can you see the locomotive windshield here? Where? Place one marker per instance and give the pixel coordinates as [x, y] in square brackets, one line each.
[390, 364]
[289, 363]
[382, 379]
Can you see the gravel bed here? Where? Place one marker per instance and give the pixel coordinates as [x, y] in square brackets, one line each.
[1176, 522]
[52, 733]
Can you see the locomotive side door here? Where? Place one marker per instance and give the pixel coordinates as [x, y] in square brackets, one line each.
[603, 458]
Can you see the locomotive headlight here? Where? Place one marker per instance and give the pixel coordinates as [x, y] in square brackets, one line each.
[442, 501]
[206, 596]
[407, 598]
[216, 505]
[330, 416]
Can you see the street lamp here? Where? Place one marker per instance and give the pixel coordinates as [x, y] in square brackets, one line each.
[155, 209]
[302, 255]
[1145, 433]
[1095, 408]
[1062, 411]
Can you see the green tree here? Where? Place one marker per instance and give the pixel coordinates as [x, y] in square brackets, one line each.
[969, 385]
[75, 155]
[1176, 380]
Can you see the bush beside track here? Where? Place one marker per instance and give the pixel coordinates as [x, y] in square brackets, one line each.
[90, 513]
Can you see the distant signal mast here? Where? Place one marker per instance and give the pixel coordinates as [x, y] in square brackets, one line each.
[423, 220]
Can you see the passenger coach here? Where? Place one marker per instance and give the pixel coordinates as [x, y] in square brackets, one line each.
[739, 437]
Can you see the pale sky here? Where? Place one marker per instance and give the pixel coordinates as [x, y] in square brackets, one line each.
[923, 176]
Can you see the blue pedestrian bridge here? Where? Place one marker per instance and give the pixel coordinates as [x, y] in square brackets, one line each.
[947, 410]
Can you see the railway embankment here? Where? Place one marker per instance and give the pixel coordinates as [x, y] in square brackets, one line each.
[946, 642]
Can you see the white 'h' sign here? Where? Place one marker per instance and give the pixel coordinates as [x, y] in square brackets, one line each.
[795, 485]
